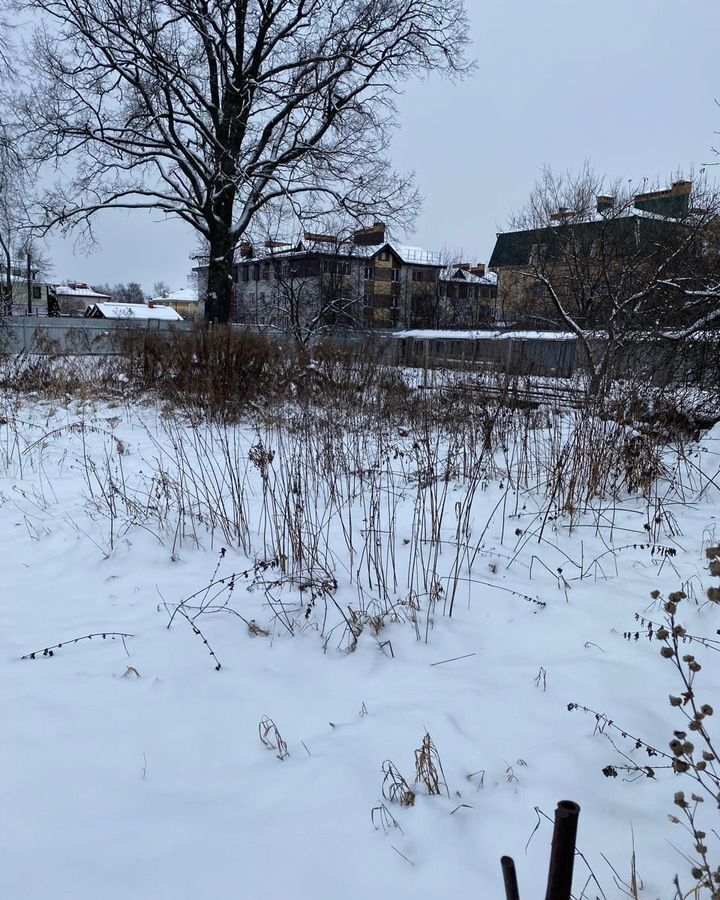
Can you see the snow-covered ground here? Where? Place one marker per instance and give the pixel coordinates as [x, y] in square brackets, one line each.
[133, 767]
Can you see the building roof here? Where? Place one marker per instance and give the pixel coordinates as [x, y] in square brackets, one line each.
[513, 248]
[134, 311]
[181, 295]
[408, 254]
[79, 290]
[413, 255]
[455, 273]
[424, 334]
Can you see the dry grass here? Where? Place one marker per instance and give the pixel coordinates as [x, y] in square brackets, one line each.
[394, 787]
[271, 738]
[428, 768]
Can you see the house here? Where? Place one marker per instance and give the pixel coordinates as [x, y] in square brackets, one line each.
[184, 300]
[14, 298]
[367, 281]
[132, 311]
[75, 297]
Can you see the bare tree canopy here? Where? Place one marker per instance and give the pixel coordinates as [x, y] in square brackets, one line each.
[212, 110]
[613, 264]
[15, 232]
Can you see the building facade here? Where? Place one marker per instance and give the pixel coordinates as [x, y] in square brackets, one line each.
[368, 282]
[17, 296]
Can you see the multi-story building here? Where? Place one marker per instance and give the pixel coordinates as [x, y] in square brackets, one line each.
[630, 264]
[368, 281]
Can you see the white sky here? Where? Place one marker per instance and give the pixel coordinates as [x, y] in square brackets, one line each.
[630, 85]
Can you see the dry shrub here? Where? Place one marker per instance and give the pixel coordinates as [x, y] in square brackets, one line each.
[212, 371]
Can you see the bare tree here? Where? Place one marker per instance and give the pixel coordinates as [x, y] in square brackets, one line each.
[17, 236]
[612, 266]
[122, 293]
[160, 289]
[211, 110]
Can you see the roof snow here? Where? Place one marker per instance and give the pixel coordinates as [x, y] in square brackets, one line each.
[66, 290]
[447, 335]
[181, 295]
[455, 273]
[136, 311]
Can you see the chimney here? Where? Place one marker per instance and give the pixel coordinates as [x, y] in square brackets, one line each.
[370, 237]
[604, 203]
[246, 249]
[680, 188]
[671, 203]
[313, 238]
[275, 245]
[478, 269]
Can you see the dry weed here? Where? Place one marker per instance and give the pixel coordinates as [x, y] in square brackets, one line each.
[395, 788]
[428, 768]
[271, 737]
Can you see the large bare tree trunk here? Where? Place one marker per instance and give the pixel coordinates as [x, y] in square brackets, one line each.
[218, 300]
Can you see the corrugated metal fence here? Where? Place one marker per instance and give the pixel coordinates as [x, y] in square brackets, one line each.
[32, 334]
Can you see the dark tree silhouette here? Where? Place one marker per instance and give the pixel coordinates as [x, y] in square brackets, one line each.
[214, 110]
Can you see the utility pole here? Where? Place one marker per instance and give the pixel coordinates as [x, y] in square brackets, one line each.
[29, 285]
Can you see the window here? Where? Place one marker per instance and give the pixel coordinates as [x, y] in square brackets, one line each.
[384, 256]
[394, 274]
[369, 273]
[538, 254]
[424, 275]
[245, 273]
[256, 272]
[336, 266]
[36, 292]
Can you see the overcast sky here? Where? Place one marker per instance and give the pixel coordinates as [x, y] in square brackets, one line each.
[630, 85]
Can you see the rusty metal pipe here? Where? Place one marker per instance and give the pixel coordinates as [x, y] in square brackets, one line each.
[562, 851]
[510, 878]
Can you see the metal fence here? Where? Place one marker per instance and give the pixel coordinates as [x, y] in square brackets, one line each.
[31, 334]
[660, 362]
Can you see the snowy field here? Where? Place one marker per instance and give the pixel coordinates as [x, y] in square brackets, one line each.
[361, 587]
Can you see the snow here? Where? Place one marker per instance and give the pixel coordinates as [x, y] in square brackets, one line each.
[132, 768]
[181, 295]
[85, 293]
[432, 334]
[409, 254]
[136, 311]
[454, 273]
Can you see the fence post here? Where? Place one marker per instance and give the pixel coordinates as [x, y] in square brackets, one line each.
[562, 851]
